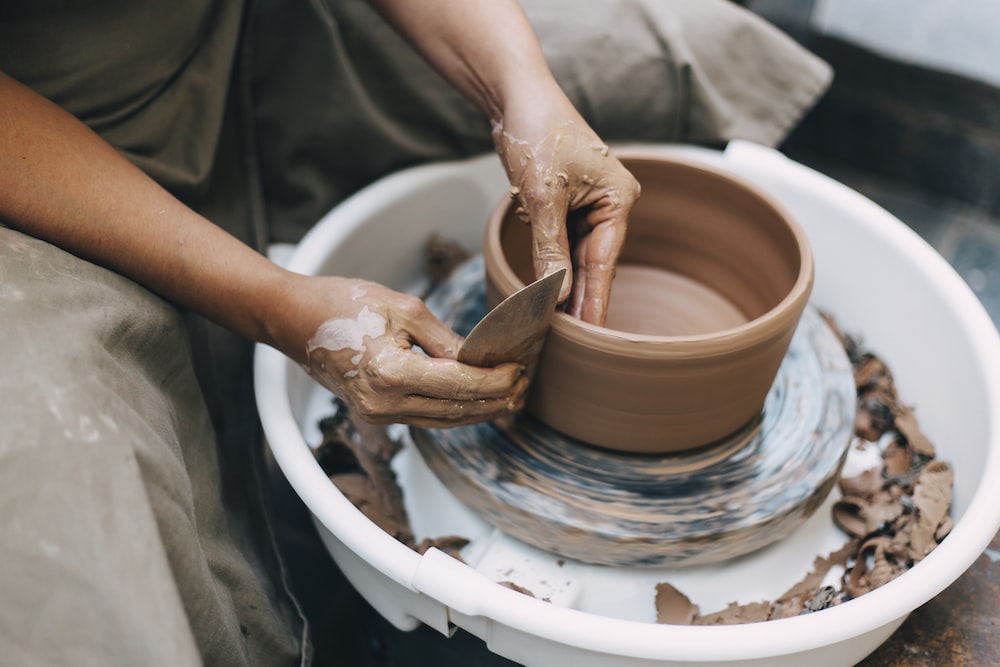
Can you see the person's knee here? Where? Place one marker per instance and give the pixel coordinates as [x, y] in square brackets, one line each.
[82, 348]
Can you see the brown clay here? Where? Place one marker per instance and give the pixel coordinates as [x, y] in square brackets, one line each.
[714, 277]
[657, 302]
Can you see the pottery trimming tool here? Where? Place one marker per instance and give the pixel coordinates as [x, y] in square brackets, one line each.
[514, 330]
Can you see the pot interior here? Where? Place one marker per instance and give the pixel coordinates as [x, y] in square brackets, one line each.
[704, 253]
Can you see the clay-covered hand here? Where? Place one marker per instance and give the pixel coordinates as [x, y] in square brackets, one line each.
[387, 355]
[575, 194]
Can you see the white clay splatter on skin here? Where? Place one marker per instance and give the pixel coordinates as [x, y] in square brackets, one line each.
[347, 334]
[357, 291]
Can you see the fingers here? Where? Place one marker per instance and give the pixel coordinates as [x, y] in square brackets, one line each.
[393, 384]
[418, 324]
[378, 370]
[438, 393]
[428, 412]
[550, 240]
[599, 192]
[454, 381]
[575, 305]
[596, 256]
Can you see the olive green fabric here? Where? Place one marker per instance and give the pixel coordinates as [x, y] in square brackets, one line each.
[134, 514]
[119, 543]
[149, 76]
[365, 105]
[134, 528]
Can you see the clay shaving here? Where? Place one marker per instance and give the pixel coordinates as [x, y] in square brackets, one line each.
[356, 456]
[441, 257]
[893, 514]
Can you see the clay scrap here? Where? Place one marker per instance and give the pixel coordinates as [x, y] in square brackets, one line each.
[893, 514]
[356, 456]
[441, 257]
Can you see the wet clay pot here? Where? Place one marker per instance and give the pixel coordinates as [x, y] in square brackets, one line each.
[712, 281]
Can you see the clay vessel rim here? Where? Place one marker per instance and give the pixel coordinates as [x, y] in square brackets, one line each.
[748, 334]
[745, 335]
[592, 335]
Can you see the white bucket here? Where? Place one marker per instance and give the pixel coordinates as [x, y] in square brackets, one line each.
[873, 274]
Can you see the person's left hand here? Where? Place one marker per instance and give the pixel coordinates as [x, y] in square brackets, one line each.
[575, 195]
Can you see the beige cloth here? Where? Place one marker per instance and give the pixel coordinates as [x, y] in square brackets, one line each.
[364, 105]
[133, 515]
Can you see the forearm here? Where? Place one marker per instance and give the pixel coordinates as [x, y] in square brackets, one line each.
[61, 182]
[383, 351]
[554, 160]
[486, 48]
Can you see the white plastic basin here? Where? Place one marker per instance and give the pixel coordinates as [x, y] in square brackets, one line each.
[879, 280]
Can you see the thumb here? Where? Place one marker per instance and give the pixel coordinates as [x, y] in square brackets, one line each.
[433, 336]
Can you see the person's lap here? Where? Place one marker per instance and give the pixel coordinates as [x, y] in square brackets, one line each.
[115, 534]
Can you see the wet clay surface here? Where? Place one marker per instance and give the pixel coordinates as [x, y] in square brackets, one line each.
[713, 278]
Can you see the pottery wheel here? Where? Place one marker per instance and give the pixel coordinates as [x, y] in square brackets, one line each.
[611, 508]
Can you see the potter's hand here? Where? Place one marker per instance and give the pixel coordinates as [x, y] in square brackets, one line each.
[364, 351]
[577, 198]
[555, 161]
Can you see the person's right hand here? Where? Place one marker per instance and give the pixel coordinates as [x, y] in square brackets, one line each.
[575, 195]
[359, 340]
